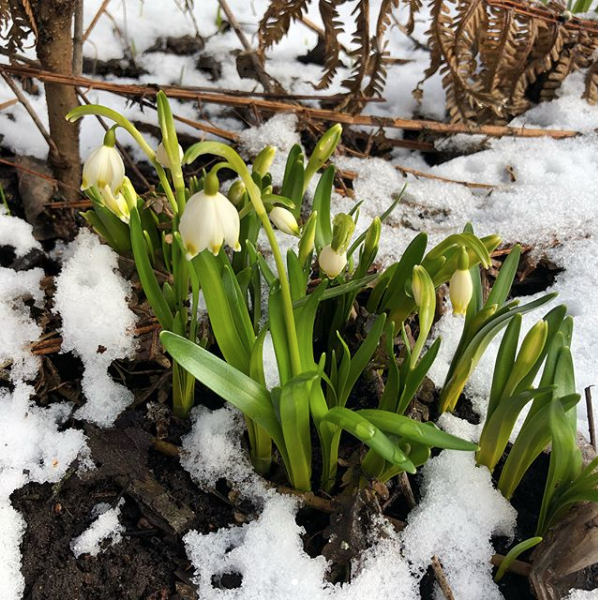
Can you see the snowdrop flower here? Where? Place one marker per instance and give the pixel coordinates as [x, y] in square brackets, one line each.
[116, 204]
[162, 155]
[332, 262]
[104, 167]
[461, 286]
[284, 220]
[208, 221]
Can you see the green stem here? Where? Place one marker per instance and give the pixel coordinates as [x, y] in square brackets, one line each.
[238, 165]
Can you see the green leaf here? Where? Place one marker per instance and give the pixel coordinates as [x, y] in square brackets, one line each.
[148, 279]
[532, 439]
[505, 360]
[506, 276]
[369, 434]
[221, 311]
[279, 334]
[362, 357]
[421, 433]
[512, 555]
[251, 398]
[306, 316]
[321, 204]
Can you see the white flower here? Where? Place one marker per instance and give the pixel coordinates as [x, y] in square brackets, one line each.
[284, 220]
[331, 262]
[207, 222]
[104, 167]
[460, 291]
[116, 204]
[162, 155]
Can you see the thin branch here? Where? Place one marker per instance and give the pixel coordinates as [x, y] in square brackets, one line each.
[283, 107]
[469, 184]
[23, 100]
[95, 20]
[78, 39]
[440, 576]
[269, 84]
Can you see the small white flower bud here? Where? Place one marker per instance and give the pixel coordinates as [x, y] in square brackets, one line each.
[116, 204]
[460, 291]
[331, 262]
[284, 220]
[162, 155]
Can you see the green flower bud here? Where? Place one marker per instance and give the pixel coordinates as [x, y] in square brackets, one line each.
[236, 192]
[263, 161]
[342, 230]
[322, 152]
[308, 238]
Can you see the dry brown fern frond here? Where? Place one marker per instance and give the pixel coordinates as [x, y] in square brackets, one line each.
[497, 56]
[16, 23]
[277, 19]
[591, 84]
[333, 28]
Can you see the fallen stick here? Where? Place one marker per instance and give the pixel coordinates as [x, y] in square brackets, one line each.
[440, 576]
[276, 106]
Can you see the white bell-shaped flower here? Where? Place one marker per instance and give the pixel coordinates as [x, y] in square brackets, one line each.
[116, 204]
[284, 220]
[460, 291]
[162, 155]
[331, 262]
[208, 221]
[104, 167]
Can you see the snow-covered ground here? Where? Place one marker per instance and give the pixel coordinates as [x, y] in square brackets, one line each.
[550, 205]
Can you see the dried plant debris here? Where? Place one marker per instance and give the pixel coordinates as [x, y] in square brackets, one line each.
[369, 53]
[497, 59]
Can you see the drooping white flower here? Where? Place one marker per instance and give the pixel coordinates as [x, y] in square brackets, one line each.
[284, 220]
[331, 262]
[162, 155]
[116, 204]
[460, 291]
[104, 167]
[208, 221]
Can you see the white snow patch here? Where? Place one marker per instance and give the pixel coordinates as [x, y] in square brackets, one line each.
[460, 511]
[12, 525]
[16, 233]
[105, 527]
[582, 595]
[280, 131]
[18, 329]
[97, 324]
[48, 452]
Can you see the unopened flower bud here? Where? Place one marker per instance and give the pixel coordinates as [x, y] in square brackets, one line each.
[322, 152]
[332, 262]
[236, 192]
[343, 227]
[284, 220]
[263, 161]
[461, 285]
[162, 155]
[308, 238]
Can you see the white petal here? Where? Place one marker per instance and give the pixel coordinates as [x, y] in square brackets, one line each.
[191, 222]
[229, 221]
[117, 168]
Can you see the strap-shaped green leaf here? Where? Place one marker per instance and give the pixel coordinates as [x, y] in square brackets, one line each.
[148, 279]
[532, 439]
[369, 434]
[220, 311]
[321, 204]
[499, 426]
[506, 276]
[250, 397]
[422, 433]
[512, 555]
[279, 334]
[306, 316]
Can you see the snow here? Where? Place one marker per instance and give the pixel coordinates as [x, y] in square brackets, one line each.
[16, 233]
[268, 552]
[97, 324]
[582, 595]
[459, 512]
[105, 527]
[12, 525]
